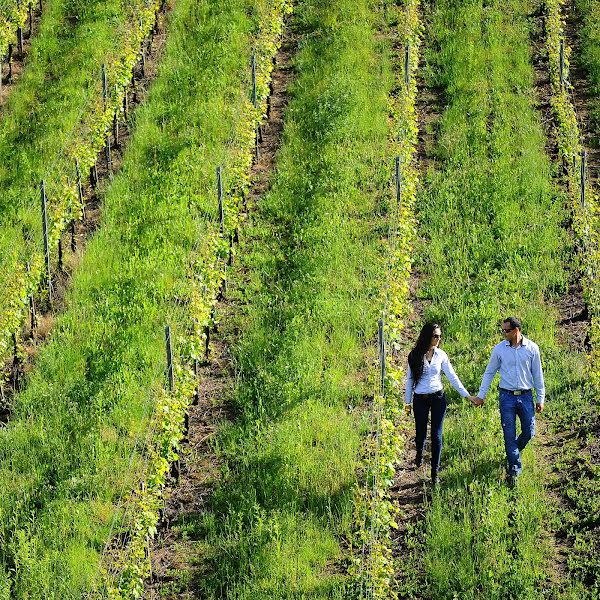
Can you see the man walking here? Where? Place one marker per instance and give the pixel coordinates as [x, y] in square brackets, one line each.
[518, 360]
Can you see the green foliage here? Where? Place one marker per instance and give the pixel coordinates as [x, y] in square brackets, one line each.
[12, 16]
[94, 423]
[55, 117]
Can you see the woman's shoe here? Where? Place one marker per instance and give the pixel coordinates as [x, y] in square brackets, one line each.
[418, 459]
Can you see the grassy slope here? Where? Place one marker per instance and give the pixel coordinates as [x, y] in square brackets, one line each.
[493, 245]
[41, 125]
[63, 70]
[64, 459]
[276, 520]
[61, 83]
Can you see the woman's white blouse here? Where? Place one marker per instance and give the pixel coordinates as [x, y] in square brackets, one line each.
[431, 380]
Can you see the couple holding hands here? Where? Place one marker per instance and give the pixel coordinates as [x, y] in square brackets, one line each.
[517, 359]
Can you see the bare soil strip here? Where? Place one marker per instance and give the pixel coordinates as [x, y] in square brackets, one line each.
[176, 560]
[31, 338]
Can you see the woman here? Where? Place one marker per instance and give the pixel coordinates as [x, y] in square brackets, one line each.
[426, 361]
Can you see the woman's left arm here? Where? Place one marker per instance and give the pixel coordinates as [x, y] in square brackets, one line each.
[453, 377]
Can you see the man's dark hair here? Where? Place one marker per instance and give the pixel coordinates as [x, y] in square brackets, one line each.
[514, 322]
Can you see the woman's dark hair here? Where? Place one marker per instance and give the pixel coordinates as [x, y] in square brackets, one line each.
[415, 356]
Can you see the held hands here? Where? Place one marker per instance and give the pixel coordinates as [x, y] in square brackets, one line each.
[539, 407]
[407, 408]
[475, 400]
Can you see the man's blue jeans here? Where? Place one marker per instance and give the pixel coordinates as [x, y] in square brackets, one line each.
[511, 407]
[423, 404]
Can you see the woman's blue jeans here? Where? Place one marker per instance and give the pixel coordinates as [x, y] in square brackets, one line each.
[423, 404]
[511, 407]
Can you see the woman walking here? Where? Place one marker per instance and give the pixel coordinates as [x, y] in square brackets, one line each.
[424, 391]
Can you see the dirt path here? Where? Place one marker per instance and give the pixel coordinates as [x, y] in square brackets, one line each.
[412, 485]
[176, 553]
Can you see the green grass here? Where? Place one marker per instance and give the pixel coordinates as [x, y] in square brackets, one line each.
[64, 458]
[41, 124]
[278, 519]
[493, 244]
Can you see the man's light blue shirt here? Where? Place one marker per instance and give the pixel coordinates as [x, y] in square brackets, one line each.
[520, 368]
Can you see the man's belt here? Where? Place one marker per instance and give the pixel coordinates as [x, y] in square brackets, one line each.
[515, 392]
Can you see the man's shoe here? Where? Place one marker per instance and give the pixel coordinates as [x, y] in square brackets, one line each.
[418, 459]
[435, 479]
[511, 480]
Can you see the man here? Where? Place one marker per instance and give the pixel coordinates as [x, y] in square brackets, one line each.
[518, 360]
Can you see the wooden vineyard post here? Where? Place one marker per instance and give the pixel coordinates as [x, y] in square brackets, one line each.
[381, 354]
[206, 342]
[171, 380]
[60, 254]
[169, 348]
[398, 182]
[116, 129]
[583, 175]
[9, 60]
[107, 153]
[79, 187]
[206, 330]
[253, 63]
[407, 65]
[561, 64]
[197, 376]
[20, 34]
[32, 312]
[220, 196]
[73, 238]
[20, 41]
[30, 18]
[93, 176]
[105, 98]
[104, 85]
[45, 232]
[31, 304]
[255, 104]
[16, 363]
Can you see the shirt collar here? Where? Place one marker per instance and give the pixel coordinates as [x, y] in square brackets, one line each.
[435, 351]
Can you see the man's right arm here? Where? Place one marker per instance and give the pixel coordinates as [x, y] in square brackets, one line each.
[490, 371]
